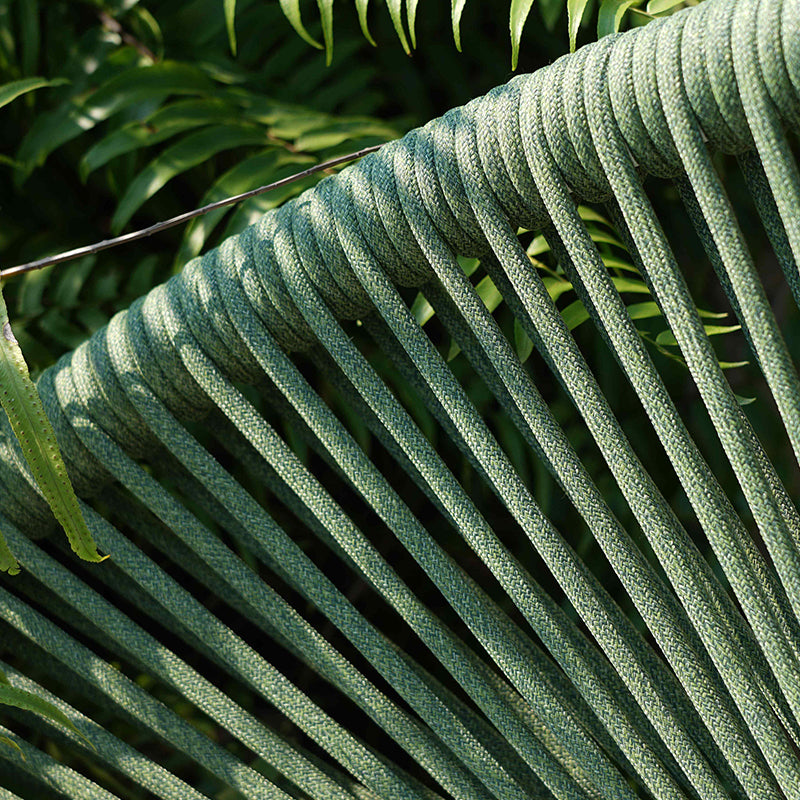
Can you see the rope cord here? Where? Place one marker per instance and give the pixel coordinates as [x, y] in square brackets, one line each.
[202, 430]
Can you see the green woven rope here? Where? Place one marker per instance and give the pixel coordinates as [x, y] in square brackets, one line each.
[526, 700]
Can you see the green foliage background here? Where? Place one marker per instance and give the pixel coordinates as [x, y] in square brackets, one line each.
[144, 112]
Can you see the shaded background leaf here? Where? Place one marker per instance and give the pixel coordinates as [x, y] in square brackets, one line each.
[11, 91]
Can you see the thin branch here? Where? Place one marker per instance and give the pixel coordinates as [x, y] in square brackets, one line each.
[113, 25]
[69, 255]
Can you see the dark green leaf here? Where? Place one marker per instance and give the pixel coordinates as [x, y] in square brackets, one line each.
[163, 124]
[194, 149]
[468, 265]
[488, 292]
[588, 214]
[556, 287]
[70, 281]
[646, 310]
[538, 246]
[616, 263]
[149, 25]
[551, 12]
[11, 91]
[132, 86]
[733, 364]
[629, 285]
[602, 237]
[29, 34]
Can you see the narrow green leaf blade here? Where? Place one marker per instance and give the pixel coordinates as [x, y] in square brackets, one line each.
[27, 701]
[396, 13]
[538, 246]
[629, 285]
[291, 10]
[575, 314]
[732, 364]
[646, 310]
[488, 292]
[556, 287]
[516, 22]
[456, 9]
[326, 17]
[421, 309]
[361, 9]
[230, 23]
[667, 338]
[616, 263]
[29, 422]
[575, 9]
[11, 91]
[610, 16]
[468, 265]
[411, 14]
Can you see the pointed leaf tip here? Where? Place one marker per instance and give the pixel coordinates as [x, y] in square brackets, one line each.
[361, 9]
[291, 10]
[575, 11]
[518, 14]
[230, 23]
[456, 9]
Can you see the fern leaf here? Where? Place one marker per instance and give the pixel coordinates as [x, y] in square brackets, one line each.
[29, 422]
[291, 10]
[456, 9]
[27, 701]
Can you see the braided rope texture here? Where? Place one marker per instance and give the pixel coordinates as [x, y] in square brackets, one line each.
[531, 683]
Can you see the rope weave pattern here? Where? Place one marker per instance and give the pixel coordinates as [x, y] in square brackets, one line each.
[707, 705]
